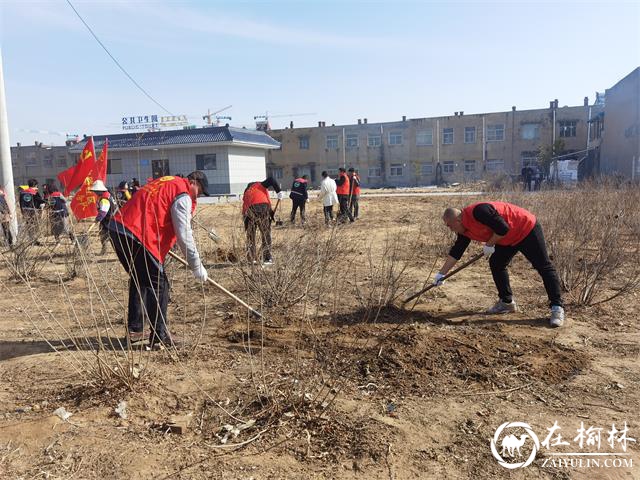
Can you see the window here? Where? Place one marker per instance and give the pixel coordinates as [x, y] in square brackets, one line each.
[469, 165]
[114, 165]
[427, 169]
[395, 138]
[47, 161]
[276, 172]
[374, 140]
[396, 170]
[61, 161]
[375, 172]
[31, 159]
[568, 128]
[206, 161]
[530, 131]
[469, 134]
[159, 168]
[447, 136]
[332, 141]
[332, 172]
[425, 137]
[495, 133]
[448, 167]
[303, 143]
[352, 140]
[529, 158]
[495, 165]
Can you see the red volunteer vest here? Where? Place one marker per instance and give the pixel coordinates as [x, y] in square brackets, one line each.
[520, 222]
[344, 188]
[256, 194]
[356, 188]
[148, 214]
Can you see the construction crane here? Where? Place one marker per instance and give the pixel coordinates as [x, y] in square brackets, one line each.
[210, 115]
[263, 120]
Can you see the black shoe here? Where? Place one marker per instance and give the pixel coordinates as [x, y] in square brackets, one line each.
[170, 341]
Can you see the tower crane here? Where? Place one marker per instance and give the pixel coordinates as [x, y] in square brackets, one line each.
[210, 115]
[262, 121]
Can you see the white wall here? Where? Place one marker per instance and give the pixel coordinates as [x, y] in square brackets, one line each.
[245, 165]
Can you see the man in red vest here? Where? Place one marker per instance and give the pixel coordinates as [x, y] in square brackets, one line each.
[343, 184]
[354, 192]
[257, 215]
[505, 230]
[142, 232]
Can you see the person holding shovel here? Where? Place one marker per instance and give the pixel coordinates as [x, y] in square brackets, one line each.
[105, 207]
[258, 215]
[505, 229]
[142, 233]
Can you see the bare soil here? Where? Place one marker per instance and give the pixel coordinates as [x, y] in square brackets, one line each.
[348, 392]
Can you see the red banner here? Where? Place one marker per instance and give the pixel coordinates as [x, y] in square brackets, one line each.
[84, 202]
[81, 170]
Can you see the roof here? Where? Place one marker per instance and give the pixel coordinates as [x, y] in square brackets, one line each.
[196, 136]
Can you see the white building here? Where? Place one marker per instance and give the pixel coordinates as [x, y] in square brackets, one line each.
[231, 157]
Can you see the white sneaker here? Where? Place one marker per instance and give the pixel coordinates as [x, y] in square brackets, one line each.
[267, 263]
[557, 316]
[502, 307]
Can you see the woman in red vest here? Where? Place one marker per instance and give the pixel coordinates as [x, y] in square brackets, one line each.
[343, 191]
[257, 215]
[505, 230]
[354, 192]
[142, 233]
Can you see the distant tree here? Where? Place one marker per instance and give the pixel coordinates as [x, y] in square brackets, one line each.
[547, 153]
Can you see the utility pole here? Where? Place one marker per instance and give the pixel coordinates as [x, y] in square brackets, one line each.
[6, 170]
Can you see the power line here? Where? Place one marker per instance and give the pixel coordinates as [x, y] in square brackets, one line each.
[116, 61]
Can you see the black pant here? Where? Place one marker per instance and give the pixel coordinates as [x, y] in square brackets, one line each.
[344, 208]
[148, 287]
[534, 249]
[6, 230]
[298, 203]
[258, 217]
[328, 214]
[354, 206]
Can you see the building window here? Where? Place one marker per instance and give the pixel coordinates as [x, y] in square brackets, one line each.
[427, 169]
[568, 128]
[395, 138]
[375, 172]
[448, 167]
[495, 165]
[276, 172]
[529, 159]
[160, 168]
[469, 165]
[425, 137]
[469, 134]
[206, 161]
[396, 170]
[352, 140]
[114, 165]
[447, 136]
[31, 159]
[495, 133]
[332, 172]
[61, 161]
[374, 140]
[530, 131]
[47, 161]
[303, 143]
[332, 141]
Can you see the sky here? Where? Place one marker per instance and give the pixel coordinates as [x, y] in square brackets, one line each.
[334, 61]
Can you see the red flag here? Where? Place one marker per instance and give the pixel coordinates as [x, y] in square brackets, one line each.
[65, 176]
[84, 202]
[82, 168]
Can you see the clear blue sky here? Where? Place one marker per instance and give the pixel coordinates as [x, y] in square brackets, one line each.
[343, 60]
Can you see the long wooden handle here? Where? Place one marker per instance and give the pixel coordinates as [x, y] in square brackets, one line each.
[448, 275]
[253, 312]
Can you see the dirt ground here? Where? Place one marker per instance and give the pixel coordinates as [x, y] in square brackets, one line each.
[332, 387]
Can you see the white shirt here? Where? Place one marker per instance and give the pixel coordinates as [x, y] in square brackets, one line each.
[328, 194]
[181, 219]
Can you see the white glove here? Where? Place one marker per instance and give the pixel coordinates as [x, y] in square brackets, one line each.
[42, 205]
[280, 195]
[488, 251]
[438, 279]
[308, 200]
[201, 274]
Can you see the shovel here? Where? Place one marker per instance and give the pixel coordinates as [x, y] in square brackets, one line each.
[83, 238]
[279, 222]
[253, 312]
[448, 275]
[212, 235]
